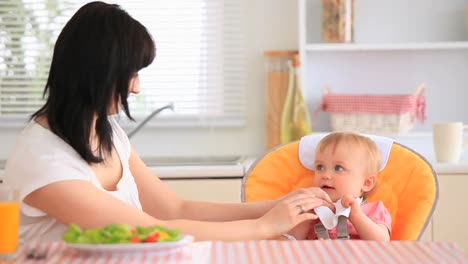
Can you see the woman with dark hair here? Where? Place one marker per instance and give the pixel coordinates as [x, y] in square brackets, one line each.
[81, 167]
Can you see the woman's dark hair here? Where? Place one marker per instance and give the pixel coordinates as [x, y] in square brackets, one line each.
[95, 57]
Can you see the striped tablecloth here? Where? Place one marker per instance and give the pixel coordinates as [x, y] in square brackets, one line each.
[330, 251]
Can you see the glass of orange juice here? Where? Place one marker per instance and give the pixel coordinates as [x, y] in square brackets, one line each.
[9, 222]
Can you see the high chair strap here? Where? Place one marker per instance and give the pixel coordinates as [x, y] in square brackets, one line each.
[321, 231]
[342, 228]
[342, 232]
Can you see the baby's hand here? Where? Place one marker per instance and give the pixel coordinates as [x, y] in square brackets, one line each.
[348, 200]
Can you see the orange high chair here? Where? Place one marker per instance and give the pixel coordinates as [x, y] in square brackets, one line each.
[407, 184]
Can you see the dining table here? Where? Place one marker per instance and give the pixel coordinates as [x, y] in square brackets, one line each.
[264, 251]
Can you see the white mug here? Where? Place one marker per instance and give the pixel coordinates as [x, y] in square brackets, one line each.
[449, 141]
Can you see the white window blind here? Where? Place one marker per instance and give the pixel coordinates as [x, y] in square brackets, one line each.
[199, 64]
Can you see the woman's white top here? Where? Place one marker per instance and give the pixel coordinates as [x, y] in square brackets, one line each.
[40, 158]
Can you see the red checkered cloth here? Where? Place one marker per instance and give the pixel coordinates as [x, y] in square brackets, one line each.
[375, 104]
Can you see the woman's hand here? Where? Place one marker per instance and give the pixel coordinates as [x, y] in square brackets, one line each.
[292, 210]
[313, 192]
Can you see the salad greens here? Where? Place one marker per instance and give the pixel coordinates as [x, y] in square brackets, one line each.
[119, 234]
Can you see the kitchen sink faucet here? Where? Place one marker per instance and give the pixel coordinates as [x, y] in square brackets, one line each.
[148, 118]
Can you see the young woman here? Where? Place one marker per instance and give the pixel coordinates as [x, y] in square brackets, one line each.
[74, 164]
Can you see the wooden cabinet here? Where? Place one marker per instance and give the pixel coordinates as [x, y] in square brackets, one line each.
[212, 190]
[450, 220]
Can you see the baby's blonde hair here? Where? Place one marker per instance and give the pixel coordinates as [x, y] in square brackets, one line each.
[363, 143]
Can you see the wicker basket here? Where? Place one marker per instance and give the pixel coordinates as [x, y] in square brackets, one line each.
[374, 114]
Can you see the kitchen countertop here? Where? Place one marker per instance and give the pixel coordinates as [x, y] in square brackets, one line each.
[238, 170]
[451, 168]
[200, 169]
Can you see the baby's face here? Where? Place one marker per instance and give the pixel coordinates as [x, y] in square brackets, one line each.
[341, 171]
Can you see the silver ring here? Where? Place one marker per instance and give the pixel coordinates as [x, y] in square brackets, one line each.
[301, 207]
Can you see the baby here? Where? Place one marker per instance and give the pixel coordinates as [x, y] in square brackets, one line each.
[346, 167]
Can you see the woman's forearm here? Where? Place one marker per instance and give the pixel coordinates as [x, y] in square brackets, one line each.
[280, 219]
[217, 212]
[226, 231]
[205, 211]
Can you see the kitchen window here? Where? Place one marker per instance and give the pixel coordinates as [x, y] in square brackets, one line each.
[199, 66]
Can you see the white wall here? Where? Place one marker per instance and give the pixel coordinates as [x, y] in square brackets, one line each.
[271, 24]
